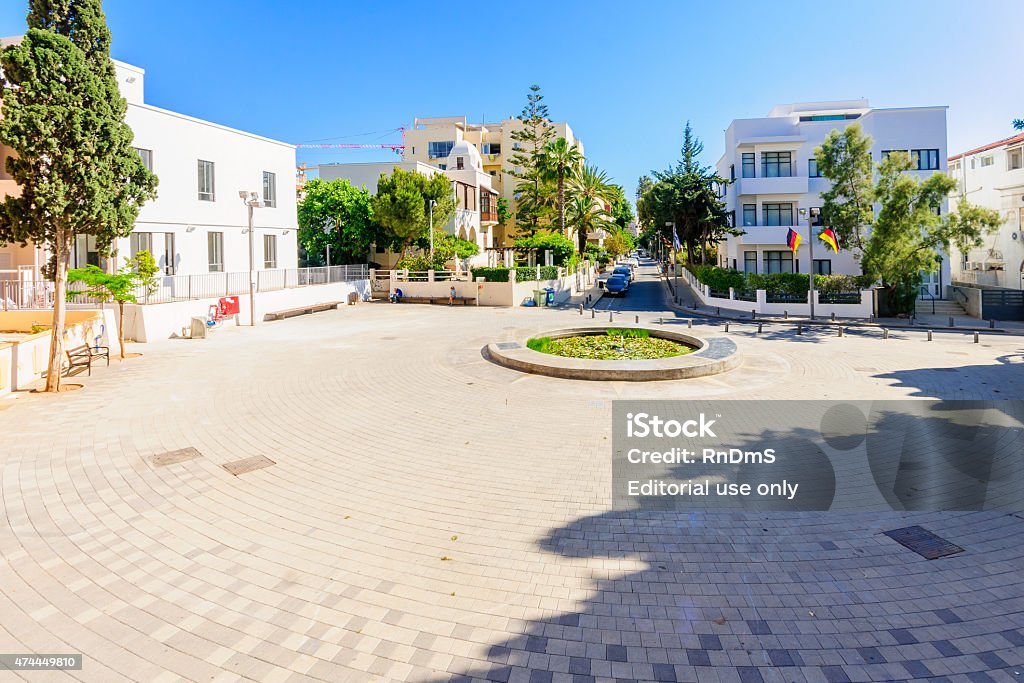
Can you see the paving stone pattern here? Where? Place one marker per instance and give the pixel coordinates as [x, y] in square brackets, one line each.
[434, 517]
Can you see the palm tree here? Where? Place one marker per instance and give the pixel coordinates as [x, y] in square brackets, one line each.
[593, 186]
[560, 159]
[587, 216]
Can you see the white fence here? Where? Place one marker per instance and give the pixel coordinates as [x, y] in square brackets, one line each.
[38, 294]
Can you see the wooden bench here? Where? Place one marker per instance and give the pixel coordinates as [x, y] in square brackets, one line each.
[301, 310]
[459, 300]
[83, 355]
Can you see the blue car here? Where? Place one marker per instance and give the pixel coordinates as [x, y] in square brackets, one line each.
[617, 284]
[625, 271]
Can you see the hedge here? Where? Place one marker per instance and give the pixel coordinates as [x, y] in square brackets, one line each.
[530, 273]
[721, 279]
[491, 274]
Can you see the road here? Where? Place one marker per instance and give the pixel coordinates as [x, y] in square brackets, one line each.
[646, 294]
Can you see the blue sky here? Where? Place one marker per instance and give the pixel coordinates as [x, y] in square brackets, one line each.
[625, 75]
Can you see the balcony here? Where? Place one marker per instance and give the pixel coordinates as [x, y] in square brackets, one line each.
[788, 185]
[488, 216]
[770, 234]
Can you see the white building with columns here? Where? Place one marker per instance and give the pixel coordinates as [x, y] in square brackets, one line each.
[198, 224]
[772, 162]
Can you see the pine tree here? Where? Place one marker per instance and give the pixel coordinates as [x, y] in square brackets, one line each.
[534, 192]
[64, 118]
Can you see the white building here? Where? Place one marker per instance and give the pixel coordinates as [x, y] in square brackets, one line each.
[198, 223]
[772, 161]
[993, 176]
[476, 203]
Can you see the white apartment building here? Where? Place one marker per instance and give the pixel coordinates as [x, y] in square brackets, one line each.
[430, 141]
[993, 176]
[772, 161]
[198, 223]
[476, 203]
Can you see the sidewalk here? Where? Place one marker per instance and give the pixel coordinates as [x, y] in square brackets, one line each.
[690, 304]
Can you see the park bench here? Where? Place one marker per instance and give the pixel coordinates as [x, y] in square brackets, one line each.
[82, 356]
[301, 310]
[459, 300]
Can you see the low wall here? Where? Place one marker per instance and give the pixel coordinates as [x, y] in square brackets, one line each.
[969, 297]
[864, 309]
[497, 293]
[146, 323]
[25, 360]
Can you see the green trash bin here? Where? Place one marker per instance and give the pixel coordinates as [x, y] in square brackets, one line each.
[540, 297]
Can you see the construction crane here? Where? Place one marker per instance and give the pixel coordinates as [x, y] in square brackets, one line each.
[397, 149]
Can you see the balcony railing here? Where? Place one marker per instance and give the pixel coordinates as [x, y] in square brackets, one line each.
[489, 216]
[37, 294]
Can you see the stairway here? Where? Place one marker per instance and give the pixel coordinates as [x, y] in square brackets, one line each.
[943, 307]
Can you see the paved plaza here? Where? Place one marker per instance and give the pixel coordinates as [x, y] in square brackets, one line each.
[430, 516]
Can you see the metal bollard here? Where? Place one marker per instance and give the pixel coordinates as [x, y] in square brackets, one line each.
[929, 335]
[588, 298]
[689, 323]
[975, 337]
[840, 330]
[785, 315]
[885, 333]
[718, 310]
[661, 321]
[636, 319]
[871, 318]
[799, 329]
[833, 316]
[727, 327]
[952, 322]
[610, 314]
[992, 324]
[759, 327]
[593, 313]
[753, 314]
[581, 309]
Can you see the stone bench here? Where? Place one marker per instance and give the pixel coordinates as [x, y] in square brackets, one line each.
[301, 310]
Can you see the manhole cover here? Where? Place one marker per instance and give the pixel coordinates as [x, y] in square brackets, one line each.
[174, 457]
[505, 346]
[923, 542]
[256, 462]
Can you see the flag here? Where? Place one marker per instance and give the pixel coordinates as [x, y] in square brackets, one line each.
[793, 240]
[675, 241]
[829, 238]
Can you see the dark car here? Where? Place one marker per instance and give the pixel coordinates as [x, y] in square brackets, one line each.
[617, 284]
[625, 271]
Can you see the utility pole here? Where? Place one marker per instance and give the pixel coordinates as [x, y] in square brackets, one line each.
[811, 215]
[252, 200]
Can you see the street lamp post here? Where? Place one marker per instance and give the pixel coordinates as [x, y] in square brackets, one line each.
[675, 270]
[252, 201]
[811, 215]
[432, 203]
[328, 229]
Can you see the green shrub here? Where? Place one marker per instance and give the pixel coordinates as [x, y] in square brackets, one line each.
[627, 332]
[719, 279]
[542, 344]
[492, 274]
[530, 273]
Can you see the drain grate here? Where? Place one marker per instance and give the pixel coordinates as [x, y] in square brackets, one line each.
[923, 542]
[245, 465]
[174, 457]
[505, 346]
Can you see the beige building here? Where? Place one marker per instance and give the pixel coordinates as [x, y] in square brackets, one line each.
[430, 141]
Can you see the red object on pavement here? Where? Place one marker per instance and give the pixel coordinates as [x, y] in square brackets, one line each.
[229, 305]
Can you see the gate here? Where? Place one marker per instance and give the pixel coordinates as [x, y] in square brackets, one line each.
[1002, 304]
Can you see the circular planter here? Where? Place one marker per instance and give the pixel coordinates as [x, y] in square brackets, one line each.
[713, 356]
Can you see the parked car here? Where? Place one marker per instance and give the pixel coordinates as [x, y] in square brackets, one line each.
[624, 270]
[617, 284]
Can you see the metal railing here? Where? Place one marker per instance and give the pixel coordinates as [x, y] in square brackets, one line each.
[924, 291]
[38, 294]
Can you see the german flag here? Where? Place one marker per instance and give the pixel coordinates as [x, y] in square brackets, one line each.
[793, 240]
[829, 238]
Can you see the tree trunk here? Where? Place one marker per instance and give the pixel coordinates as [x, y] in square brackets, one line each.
[120, 327]
[561, 203]
[61, 247]
[581, 240]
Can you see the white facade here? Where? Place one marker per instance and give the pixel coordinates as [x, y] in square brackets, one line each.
[993, 176]
[476, 203]
[771, 160]
[190, 231]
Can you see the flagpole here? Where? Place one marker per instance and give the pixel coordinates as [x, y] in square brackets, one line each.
[810, 247]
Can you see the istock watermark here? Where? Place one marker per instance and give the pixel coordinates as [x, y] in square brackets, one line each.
[818, 455]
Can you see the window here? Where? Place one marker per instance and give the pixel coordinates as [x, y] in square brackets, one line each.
[776, 164]
[748, 164]
[823, 266]
[440, 149]
[1015, 159]
[460, 163]
[443, 167]
[812, 168]
[168, 253]
[924, 159]
[147, 157]
[749, 214]
[732, 171]
[270, 251]
[269, 189]
[778, 214]
[141, 241]
[205, 181]
[987, 161]
[492, 148]
[215, 251]
[750, 262]
[778, 262]
[829, 117]
[887, 152]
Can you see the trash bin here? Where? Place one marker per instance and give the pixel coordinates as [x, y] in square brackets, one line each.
[550, 296]
[540, 297]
